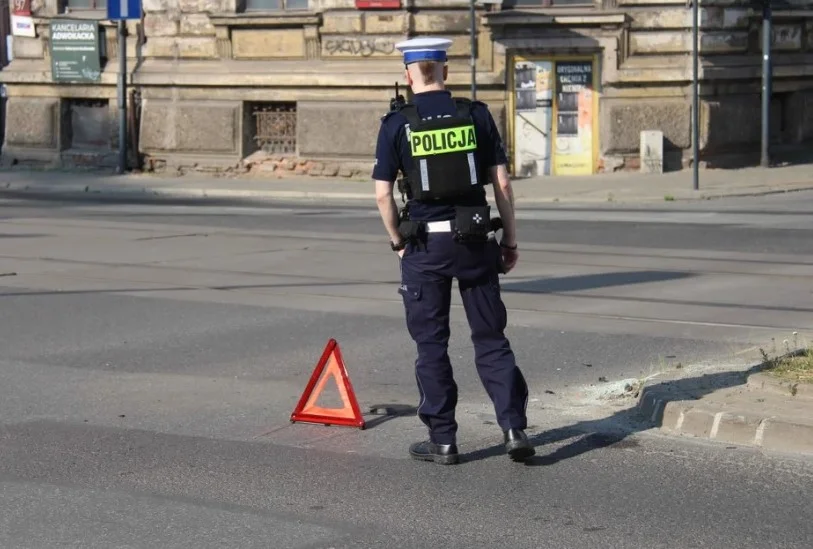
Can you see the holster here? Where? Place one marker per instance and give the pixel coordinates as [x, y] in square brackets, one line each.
[410, 231]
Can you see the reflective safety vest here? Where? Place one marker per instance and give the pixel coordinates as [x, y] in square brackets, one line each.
[445, 162]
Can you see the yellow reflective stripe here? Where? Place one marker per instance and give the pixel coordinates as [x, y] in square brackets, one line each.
[431, 142]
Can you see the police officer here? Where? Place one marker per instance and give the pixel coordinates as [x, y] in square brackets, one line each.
[448, 149]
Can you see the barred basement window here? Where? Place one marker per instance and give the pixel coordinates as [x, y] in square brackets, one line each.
[274, 127]
[86, 123]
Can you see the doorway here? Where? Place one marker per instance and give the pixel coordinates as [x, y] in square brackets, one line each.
[554, 107]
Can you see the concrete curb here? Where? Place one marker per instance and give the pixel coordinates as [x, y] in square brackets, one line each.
[793, 389]
[676, 415]
[130, 191]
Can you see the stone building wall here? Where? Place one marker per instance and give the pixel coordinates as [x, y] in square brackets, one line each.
[336, 64]
[651, 86]
[324, 77]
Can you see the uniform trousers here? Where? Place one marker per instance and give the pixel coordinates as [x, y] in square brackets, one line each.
[427, 271]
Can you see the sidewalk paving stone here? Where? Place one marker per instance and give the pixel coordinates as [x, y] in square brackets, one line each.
[619, 187]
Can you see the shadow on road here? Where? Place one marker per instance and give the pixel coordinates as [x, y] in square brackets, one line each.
[613, 431]
[549, 285]
[385, 412]
[591, 281]
[23, 235]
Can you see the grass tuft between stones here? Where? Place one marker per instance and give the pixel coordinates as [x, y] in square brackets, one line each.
[794, 368]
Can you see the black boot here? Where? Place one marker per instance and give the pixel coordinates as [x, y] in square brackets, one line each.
[445, 454]
[517, 445]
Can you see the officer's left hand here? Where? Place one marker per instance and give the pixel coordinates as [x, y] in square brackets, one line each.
[509, 258]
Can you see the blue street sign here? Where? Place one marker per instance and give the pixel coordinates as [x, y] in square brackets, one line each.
[123, 9]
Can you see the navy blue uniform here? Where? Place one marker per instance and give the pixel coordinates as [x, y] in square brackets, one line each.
[427, 270]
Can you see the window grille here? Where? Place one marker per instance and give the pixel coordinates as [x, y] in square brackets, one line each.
[275, 127]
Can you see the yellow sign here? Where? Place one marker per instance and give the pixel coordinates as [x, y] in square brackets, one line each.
[432, 142]
[573, 144]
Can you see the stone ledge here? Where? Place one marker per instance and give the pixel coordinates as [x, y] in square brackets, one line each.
[259, 74]
[438, 4]
[709, 71]
[38, 71]
[784, 14]
[529, 17]
[651, 2]
[45, 22]
[282, 19]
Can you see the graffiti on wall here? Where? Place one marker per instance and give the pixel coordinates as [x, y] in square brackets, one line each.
[358, 46]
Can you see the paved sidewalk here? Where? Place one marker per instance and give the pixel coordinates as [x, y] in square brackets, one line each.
[750, 408]
[620, 187]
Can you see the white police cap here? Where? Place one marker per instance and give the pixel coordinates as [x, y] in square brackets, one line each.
[424, 49]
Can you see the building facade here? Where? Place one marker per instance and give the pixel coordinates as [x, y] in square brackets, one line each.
[300, 85]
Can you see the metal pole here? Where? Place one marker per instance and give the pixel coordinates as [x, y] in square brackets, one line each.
[473, 51]
[695, 97]
[766, 83]
[122, 89]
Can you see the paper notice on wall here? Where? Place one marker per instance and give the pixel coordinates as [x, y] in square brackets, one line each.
[574, 117]
[533, 103]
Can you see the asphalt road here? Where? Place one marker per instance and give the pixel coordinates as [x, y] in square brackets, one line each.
[152, 354]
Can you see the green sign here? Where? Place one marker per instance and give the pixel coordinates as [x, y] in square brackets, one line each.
[75, 50]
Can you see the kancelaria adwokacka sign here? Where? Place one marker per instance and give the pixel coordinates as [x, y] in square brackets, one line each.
[74, 46]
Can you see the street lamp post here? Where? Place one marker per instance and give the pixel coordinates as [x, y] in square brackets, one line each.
[695, 96]
[765, 159]
[473, 50]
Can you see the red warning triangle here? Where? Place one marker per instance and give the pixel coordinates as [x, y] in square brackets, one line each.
[331, 365]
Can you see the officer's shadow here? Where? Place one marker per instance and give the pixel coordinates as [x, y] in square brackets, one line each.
[614, 431]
